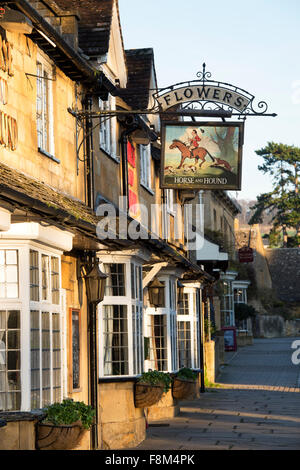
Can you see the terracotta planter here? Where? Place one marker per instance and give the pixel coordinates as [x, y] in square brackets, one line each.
[146, 395]
[59, 437]
[183, 389]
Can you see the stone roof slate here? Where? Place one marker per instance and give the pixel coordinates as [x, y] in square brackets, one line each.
[139, 67]
[94, 25]
[18, 182]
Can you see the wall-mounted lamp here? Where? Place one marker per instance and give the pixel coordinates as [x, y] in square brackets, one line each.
[156, 292]
[95, 281]
[180, 292]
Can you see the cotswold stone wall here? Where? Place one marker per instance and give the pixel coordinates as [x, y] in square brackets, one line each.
[284, 265]
[260, 265]
[274, 326]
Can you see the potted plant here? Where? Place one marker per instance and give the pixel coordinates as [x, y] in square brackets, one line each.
[150, 387]
[184, 384]
[64, 425]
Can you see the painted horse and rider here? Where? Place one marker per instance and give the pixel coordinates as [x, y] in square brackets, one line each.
[192, 150]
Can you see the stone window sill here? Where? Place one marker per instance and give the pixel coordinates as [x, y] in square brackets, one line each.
[48, 155]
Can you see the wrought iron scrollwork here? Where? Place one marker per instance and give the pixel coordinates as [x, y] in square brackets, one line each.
[203, 75]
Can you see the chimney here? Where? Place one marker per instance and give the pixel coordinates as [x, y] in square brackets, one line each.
[69, 28]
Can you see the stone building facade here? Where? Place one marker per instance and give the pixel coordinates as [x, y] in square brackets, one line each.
[63, 162]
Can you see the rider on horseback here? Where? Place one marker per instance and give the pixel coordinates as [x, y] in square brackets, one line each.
[194, 141]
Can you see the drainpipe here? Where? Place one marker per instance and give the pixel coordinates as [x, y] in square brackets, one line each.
[93, 348]
[201, 335]
[89, 153]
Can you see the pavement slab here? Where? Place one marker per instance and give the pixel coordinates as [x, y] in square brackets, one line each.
[254, 406]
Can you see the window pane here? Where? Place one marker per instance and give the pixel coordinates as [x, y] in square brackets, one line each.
[56, 357]
[10, 360]
[13, 319]
[35, 358]
[115, 340]
[133, 281]
[115, 283]
[158, 342]
[11, 257]
[184, 344]
[45, 277]
[75, 349]
[34, 276]
[55, 279]
[9, 274]
[46, 358]
[183, 307]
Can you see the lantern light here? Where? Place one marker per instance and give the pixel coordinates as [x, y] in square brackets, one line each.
[180, 292]
[95, 284]
[156, 294]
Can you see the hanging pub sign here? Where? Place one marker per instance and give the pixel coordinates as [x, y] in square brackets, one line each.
[245, 254]
[202, 155]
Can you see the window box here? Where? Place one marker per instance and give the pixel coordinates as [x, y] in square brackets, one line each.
[184, 389]
[146, 395]
[59, 437]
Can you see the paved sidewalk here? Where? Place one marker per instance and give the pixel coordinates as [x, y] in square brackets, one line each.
[255, 407]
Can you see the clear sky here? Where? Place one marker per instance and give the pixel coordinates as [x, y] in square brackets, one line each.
[252, 44]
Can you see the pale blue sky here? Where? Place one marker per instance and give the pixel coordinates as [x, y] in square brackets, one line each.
[251, 44]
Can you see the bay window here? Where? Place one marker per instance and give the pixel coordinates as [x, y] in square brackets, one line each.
[31, 374]
[188, 329]
[161, 330]
[121, 318]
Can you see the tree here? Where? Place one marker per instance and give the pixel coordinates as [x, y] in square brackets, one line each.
[282, 162]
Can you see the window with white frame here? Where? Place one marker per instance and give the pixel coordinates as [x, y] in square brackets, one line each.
[9, 287]
[170, 200]
[10, 360]
[227, 308]
[108, 129]
[188, 330]
[30, 335]
[161, 331]
[169, 215]
[240, 296]
[121, 314]
[145, 162]
[158, 341]
[45, 329]
[44, 106]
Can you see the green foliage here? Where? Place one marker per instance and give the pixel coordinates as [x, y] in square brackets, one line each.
[209, 327]
[274, 306]
[154, 377]
[274, 238]
[186, 373]
[282, 162]
[244, 311]
[68, 412]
